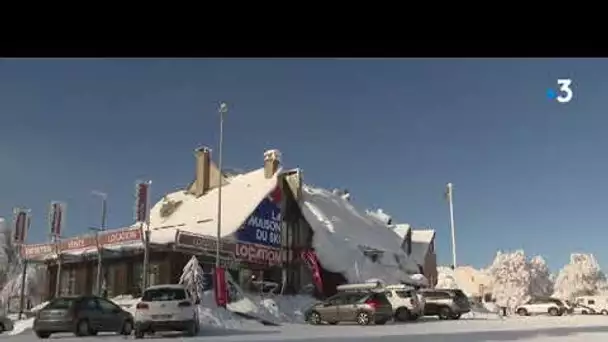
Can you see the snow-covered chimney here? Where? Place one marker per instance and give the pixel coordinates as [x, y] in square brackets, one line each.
[272, 160]
[203, 163]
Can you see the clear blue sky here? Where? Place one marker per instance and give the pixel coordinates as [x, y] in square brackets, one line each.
[529, 172]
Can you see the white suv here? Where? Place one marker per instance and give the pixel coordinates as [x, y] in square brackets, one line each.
[405, 301]
[166, 308]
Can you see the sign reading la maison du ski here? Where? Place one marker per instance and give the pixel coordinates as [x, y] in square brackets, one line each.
[264, 225]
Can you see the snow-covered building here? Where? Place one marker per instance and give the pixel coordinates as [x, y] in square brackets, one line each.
[272, 226]
[419, 244]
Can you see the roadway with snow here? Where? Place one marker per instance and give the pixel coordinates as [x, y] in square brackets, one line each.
[480, 328]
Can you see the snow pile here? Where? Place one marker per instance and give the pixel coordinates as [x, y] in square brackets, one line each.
[516, 279]
[446, 278]
[288, 309]
[39, 307]
[21, 326]
[582, 276]
[380, 215]
[193, 279]
[342, 237]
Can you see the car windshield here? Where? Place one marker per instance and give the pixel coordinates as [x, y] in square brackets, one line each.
[164, 294]
[60, 304]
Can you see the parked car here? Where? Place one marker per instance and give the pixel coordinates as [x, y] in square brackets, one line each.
[361, 303]
[405, 302]
[536, 306]
[445, 303]
[579, 309]
[6, 324]
[597, 303]
[82, 315]
[166, 308]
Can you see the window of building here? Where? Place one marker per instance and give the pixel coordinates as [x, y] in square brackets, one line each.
[68, 282]
[591, 302]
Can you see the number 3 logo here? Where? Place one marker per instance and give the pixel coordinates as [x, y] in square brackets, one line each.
[567, 94]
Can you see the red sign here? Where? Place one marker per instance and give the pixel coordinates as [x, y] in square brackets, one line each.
[141, 201]
[220, 287]
[20, 226]
[56, 218]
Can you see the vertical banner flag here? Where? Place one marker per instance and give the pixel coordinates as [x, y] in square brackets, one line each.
[21, 223]
[141, 201]
[220, 286]
[57, 218]
[310, 259]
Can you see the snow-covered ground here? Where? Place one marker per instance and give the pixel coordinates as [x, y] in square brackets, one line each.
[481, 329]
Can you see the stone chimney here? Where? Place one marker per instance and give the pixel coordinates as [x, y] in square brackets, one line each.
[272, 161]
[203, 163]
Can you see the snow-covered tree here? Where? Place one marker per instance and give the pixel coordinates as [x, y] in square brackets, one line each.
[582, 276]
[541, 282]
[34, 277]
[511, 279]
[192, 278]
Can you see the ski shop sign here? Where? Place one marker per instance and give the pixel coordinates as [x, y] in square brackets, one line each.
[263, 227]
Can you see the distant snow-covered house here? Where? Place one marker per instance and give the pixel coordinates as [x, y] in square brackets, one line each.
[419, 244]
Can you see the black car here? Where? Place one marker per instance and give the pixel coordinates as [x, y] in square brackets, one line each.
[82, 315]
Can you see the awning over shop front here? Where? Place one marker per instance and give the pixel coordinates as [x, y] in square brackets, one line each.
[87, 245]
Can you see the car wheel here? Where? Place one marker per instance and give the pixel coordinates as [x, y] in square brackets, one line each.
[584, 312]
[363, 318]
[381, 322]
[43, 334]
[127, 328]
[403, 315]
[455, 316]
[604, 312]
[139, 333]
[314, 318]
[553, 312]
[445, 313]
[522, 312]
[82, 328]
[191, 331]
[332, 323]
[414, 317]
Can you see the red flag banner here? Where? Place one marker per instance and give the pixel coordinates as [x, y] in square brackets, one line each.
[21, 224]
[220, 287]
[56, 218]
[141, 201]
[310, 259]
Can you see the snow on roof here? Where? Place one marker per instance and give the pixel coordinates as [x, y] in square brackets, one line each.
[341, 234]
[183, 211]
[421, 240]
[402, 229]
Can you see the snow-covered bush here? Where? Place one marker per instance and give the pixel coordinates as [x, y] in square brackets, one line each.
[511, 279]
[541, 280]
[582, 276]
[192, 278]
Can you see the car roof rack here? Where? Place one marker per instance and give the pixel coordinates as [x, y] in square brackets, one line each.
[360, 287]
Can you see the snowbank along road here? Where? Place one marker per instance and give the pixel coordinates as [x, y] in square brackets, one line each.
[526, 329]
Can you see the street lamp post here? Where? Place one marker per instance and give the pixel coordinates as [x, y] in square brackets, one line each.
[449, 193]
[222, 110]
[102, 227]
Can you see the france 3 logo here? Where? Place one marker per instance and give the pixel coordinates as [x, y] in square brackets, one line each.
[564, 94]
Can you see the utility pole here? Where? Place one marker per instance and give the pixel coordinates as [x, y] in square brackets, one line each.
[222, 110]
[450, 197]
[102, 227]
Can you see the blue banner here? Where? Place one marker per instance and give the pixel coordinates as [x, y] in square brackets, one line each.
[264, 225]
